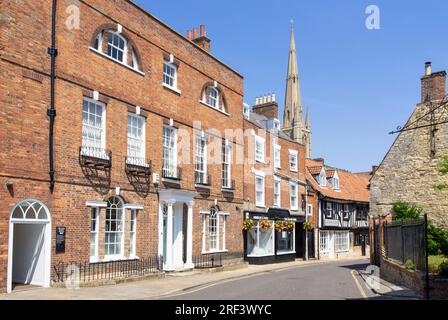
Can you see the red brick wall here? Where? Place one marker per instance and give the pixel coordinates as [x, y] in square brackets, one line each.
[284, 172]
[24, 123]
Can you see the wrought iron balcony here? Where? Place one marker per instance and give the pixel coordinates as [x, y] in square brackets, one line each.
[172, 173]
[201, 179]
[228, 185]
[138, 166]
[95, 157]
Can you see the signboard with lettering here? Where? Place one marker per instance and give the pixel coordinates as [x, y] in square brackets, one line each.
[60, 239]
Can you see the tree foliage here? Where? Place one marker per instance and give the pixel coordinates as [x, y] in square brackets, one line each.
[443, 169]
[405, 211]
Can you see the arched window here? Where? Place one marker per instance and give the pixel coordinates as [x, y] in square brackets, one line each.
[30, 210]
[116, 45]
[114, 232]
[213, 97]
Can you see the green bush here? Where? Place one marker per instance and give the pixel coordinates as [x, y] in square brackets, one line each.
[405, 211]
[434, 263]
[443, 269]
[409, 265]
[437, 240]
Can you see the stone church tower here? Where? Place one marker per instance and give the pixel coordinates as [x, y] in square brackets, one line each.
[294, 124]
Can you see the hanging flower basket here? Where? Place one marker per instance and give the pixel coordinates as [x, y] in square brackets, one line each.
[265, 224]
[248, 224]
[308, 226]
[289, 226]
[279, 226]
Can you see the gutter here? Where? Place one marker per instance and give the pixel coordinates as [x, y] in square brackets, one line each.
[53, 52]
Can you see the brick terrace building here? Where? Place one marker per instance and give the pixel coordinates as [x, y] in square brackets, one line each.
[275, 186]
[128, 89]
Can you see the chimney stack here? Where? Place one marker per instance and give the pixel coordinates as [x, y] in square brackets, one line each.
[190, 35]
[266, 106]
[433, 84]
[201, 40]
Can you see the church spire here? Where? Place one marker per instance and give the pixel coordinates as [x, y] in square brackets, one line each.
[293, 116]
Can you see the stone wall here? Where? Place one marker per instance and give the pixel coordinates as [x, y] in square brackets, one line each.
[409, 173]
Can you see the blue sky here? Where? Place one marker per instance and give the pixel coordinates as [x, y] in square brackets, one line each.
[358, 84]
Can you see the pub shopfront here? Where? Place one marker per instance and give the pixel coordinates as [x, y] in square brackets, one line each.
[270, 237]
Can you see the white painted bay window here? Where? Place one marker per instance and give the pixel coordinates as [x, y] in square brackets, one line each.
[341, 241]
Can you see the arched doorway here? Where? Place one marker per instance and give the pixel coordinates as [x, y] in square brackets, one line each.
[29, 250]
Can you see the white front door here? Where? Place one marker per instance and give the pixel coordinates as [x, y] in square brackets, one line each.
[178, 237]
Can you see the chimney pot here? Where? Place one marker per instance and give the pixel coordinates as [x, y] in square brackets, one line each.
[203, 34]
[195, 33]
[428, 68]
[190, 35]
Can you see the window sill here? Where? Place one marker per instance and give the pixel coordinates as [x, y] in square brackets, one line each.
[261, 206]
[260, 161]
[285, 253]
[226, 189]
[202, 186]
[116, 61]
[294, 170]
[173, 181]
[175, 90]
[211, 107]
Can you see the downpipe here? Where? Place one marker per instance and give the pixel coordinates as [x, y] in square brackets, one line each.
[51, 112]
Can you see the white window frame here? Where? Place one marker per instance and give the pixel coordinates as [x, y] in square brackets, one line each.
[293, 234]
[124, 50]
[295, 154]
[142, 140]
[310, 210]
[277, 156]
[260, 156]
[220, 231]
[324, 246]
[294, 206]
[258, 227]
[133, 234]
[169, 149]
[345, 236]
[87, 128]
[96, 211]
[227, 164]
[262, 202]
[277, 192]
[112, 257]
[173, 78]
[323, 178]
[200, 157]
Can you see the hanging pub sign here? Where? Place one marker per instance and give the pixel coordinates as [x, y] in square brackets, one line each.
[60, 239]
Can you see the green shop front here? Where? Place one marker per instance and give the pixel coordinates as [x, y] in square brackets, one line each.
[270, 237]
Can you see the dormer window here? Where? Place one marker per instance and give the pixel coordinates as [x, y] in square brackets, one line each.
[335, 182]
[213, 97]
[322, 178]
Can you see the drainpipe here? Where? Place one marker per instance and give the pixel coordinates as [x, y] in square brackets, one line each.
[53, 52]
[306, 220]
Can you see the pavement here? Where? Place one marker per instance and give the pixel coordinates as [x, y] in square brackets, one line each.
[298, 280]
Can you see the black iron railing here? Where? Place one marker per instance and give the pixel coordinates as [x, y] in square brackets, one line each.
[208, 261]
[171, 172]
[202, 179]
[137, 166]
[95, 157]
[85, 272]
